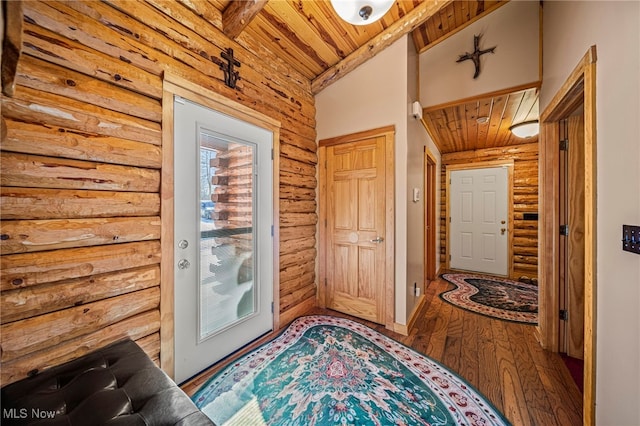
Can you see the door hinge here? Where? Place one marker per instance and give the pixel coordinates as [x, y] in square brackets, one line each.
[564, 145]
[564, 230]
[272, 153]
[564, 315]
[271, 307]
[272, 230]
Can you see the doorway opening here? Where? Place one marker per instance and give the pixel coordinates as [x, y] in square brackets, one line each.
[209, 249]
[568, 201]
[430, 176]
[357, 235]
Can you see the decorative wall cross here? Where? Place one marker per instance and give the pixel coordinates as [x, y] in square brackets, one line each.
[231, 76]
[475, 56]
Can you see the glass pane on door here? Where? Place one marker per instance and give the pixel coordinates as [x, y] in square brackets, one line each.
[227, 241]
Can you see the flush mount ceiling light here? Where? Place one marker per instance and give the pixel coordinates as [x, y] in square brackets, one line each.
[526, 129]
[361, 12]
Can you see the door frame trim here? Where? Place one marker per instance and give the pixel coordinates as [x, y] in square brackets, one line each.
[579, 88]
[388, 133]
[430, 218]
[175, 85]
[481, 165]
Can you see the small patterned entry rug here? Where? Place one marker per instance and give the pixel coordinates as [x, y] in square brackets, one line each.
[324, 370]
[494, 297]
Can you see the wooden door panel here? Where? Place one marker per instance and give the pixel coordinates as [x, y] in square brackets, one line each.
[355, 219]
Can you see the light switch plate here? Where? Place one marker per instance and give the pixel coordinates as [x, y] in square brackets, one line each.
[631, 238]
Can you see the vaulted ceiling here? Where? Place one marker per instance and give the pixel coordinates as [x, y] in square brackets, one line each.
[313, 40]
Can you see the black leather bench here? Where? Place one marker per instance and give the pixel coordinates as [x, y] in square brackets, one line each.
[115, 385]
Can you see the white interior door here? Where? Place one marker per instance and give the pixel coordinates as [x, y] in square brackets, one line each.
[478, 229]
[223, 232]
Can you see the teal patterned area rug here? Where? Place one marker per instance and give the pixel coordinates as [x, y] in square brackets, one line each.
[325, 370]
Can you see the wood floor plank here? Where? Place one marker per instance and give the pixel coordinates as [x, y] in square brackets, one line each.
[503, 360]
[513, 396]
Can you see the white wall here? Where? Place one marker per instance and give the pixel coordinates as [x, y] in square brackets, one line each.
[373, 96]
[417, 140]
[614, 27]
[514, 28]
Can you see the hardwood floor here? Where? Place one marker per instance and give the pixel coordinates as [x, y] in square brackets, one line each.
[501, 359]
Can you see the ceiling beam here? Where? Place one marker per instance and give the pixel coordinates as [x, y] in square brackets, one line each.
[11, 39]
[395, 31]
[238, 14]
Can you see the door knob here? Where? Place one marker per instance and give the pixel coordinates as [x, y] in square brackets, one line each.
[502, 231]
[377, 240]
[183, 264]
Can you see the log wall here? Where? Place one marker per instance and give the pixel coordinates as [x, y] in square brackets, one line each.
[82, 162]
[525, 199]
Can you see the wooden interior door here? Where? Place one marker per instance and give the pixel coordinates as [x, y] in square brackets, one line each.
[572, 254]
[355, 228]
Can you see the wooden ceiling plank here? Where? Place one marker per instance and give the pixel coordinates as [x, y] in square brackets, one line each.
[207, 10]
[263, 31]
[495, 119]
[484, 110]
[526, 104]
[505, 136]
[304, 32]
[534, 113]
[377, 44]
[471, 115]
[471, 20]
[238, 14]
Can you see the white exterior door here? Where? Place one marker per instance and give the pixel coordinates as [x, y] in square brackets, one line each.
[478, 229]
[223, 182]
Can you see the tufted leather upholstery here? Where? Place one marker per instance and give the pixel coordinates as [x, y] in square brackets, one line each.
[116, 385]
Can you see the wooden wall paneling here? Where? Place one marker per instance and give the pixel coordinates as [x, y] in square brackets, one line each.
[53, 110]
[41, 203]
[21, 236]
[50, 172]
[41, 75]
[30, 269]
[524, 200]
[88, 102]
[53, 141]
[135, 327]
[50, 329]
[27, 302]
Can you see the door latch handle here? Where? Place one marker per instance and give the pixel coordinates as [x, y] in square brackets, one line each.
[377, 240]
[183, 264]
[502, 231]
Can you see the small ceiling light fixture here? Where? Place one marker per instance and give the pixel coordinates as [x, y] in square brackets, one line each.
[482, 120]
[526, 129]
[361, 12]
